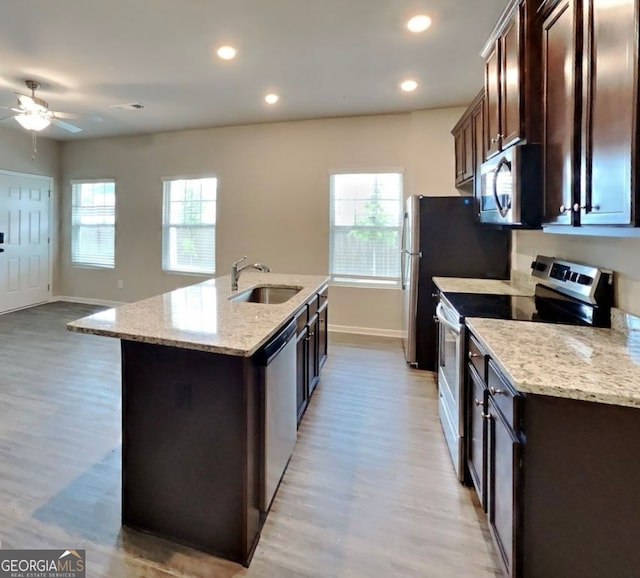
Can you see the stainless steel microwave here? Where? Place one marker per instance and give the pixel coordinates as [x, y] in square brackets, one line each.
[510, 191]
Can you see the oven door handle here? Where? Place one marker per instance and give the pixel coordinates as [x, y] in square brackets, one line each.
[442, 319]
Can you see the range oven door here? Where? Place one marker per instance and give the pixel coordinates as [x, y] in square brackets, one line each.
[450, 374]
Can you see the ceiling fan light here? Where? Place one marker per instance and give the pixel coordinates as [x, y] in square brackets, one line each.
[32, 121]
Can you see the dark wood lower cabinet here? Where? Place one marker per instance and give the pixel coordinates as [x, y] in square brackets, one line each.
[302, 379]
[312, 353]
[503, 486]
[312, 347]
[477, 434]
[323, 336]
[562, 478]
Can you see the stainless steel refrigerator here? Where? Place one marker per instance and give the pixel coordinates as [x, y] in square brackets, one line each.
[442, 237]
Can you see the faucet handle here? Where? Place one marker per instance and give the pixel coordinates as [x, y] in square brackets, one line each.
[236, 263]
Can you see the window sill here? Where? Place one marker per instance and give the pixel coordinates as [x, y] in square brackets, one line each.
[188, 273]
[364, 284]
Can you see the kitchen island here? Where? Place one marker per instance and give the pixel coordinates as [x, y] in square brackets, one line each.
[193, 408]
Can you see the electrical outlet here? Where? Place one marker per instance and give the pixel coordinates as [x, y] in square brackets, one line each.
[120, 284]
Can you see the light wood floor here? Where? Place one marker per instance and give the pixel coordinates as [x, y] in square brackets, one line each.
[370, 490]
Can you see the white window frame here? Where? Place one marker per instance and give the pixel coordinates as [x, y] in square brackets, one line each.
[75, 227]
[341, 279]
[167, 226]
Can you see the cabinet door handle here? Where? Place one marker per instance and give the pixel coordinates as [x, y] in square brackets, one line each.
[477, 402]
[472, 355]
[564, 209]
[311, 334]
[577, 207]
[486, 416]
[495, 391]
[435, 295]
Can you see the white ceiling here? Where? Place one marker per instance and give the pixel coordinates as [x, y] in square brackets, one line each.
[325, 58]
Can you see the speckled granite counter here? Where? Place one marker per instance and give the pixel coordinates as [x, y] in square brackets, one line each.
[202, 316]
[493, 286]
[600, 365]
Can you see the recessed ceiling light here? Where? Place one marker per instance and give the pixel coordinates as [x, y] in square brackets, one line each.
[271, 98]
[226, 52]
[409, 85]
[419, 23]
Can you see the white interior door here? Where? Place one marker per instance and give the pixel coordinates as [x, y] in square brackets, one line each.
[24, 220]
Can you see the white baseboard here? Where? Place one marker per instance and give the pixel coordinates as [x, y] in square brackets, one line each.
[87, 301]
[397, 333]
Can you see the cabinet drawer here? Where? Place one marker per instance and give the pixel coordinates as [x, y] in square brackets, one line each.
[504, 397]
[312, 304]
[323, 296]
[477, 357]
[301, 319]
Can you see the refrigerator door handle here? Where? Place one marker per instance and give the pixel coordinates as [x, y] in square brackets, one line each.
[418, 254]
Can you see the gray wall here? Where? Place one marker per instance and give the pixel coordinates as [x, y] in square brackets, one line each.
[273, 198]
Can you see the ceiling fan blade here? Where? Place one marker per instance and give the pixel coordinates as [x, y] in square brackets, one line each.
[68, 115]
[65, 125]
[7, 116]
[26, 101]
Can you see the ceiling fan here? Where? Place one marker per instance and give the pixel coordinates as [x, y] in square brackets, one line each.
[33, 113]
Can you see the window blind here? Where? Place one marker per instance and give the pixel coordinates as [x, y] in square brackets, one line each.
[189, 225]
[365, 227]
[93, 219]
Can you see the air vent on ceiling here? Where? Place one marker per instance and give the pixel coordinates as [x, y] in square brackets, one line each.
[128, 106]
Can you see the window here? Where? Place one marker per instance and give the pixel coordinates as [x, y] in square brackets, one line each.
[366, 222]
[189, 225]
[93, 222]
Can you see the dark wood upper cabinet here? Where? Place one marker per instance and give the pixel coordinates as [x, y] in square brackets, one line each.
[511, 129]
[561, 142]
[609, 186]
[468, 137]
[590, 63]
[492, 104]
[512, 78]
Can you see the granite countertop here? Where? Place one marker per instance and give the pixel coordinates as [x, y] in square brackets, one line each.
[202, 317]
[493, 286]
[584, 363]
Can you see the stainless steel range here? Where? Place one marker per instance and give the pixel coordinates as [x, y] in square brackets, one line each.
[566, 292]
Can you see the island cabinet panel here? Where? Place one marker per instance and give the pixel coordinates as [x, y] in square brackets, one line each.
[191, 461]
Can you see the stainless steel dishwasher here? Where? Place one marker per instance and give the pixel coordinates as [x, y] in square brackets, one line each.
[277, 367]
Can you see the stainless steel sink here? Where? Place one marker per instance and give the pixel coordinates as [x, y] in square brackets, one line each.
[272, 294]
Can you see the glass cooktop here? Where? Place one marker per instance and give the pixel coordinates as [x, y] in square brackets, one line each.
[556, 309]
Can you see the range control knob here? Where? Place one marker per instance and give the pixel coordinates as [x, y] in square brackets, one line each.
[537, 266]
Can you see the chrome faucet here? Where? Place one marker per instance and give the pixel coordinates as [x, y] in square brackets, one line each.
[235, 271]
